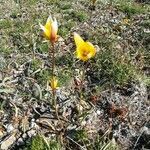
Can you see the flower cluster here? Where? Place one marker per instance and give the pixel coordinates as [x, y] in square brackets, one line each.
[84, 49]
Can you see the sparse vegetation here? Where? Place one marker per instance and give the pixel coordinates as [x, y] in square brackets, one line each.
[75, 91]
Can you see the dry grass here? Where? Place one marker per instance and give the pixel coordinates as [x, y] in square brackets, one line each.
[114, 96]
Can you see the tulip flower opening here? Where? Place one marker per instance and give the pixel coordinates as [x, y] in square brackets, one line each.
[54, 83]
[85, 50]
[50, 29]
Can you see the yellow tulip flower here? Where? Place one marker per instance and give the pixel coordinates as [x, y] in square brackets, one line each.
[54, 83]
[85, 50]
[50, 29]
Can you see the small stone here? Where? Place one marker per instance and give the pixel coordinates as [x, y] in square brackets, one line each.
[32, 120]
[24, 136]
[20, 141]
[31, 133]
[146, 130]
[10, 128]
[8, 141]
[146, 30]
[43, 109]
[98, 112]
[33, 123]
[79, 107]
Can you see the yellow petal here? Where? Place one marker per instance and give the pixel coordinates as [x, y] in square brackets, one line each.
[78, 40]
[53, 83]
[50, 29]
[46, 32]
[91, 48]
[85, 51]
[48, 22]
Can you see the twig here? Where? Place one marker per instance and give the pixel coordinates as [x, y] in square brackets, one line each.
[53, 74]
[16, 109]
[76, 143]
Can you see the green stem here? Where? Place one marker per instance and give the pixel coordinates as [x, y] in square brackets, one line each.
[53, 74]
[54, 102]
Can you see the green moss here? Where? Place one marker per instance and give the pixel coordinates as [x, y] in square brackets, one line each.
[66, 60]
[35, 64]
[43, 76]
[103, 143]
[79, 136]
[21, 42]
[42, 47]
[97, 143]
[70, 24]
[65, 28]
[78, 16]
[22, 27]
[122, 73]
[54, 145]
[65, 6]
[38, 143]
[5, 50]
[130, 7]
[112, 68]
[81, 16]
[33, 2]
[56, 2]
[64, 77]
[63, 31]
[65, 73]
[5, 23]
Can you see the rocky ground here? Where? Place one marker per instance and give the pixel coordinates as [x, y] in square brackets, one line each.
[109, 110]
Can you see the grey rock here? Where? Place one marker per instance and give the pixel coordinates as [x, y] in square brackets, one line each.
[31, 133]
[20, 141]
[24, 136]
[10, 128]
